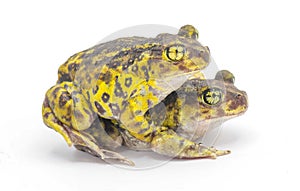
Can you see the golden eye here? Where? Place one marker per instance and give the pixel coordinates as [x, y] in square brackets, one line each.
[175, 53]
[212, 96]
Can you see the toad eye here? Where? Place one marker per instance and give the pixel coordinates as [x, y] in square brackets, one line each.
[212, 96]
[175, 52]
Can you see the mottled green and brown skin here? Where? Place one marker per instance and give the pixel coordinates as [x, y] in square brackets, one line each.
[120, 80]
[197, 106]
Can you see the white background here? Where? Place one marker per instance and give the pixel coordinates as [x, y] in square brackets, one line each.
[257, 40]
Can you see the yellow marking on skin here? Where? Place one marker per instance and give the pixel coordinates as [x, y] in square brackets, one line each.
[76, 59]
[108, 54]
[58, 128]
[90, 51]
[139, 118]
[189, 31]
[229, 111]
[97, 97]
[146, 45]
[197, 75]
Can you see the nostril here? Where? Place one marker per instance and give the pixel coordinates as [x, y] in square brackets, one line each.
[238, 96]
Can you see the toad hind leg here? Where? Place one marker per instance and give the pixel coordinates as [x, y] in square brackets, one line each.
[84, 143]
[58, 109]
[170, 144]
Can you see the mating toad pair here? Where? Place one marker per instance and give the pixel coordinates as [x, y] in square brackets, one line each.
[144, 93]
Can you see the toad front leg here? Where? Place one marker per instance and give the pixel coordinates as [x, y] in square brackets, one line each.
[170, 144]
[67, 112]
